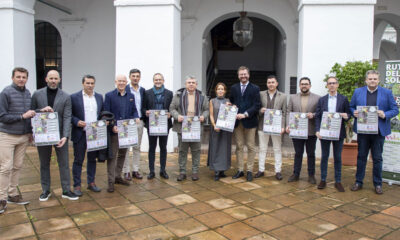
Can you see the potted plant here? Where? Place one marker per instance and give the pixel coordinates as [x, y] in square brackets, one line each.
[350, 76]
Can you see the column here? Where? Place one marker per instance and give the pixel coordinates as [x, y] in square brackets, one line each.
[17, 41]
[333, 31]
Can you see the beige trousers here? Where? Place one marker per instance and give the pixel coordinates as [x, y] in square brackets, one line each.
[245, 136]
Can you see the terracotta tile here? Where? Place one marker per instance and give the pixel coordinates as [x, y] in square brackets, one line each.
[190, 187]
[100, 229]
[247, 186]
[166, 192]
[222, 203]
[264, 222]
[151, 185]
[393, 211]
[288, 215]
[262, 236]
[13, 208]
[180, 199]
[225, 190]
[119, 236]
[112, 202]
[392, 236]
[196, 208]
[316, 226]
[185, 227]
[237, 230]
[244, 197]
[141, 196]
[307, 195]
[229, 180]
[205, 195]
[385, 220]
[308, 208]
[327, 202]
[37, 204]
[291, 232]
[355, 210]
[136, 222]
[348, 196]
[123, 211]
[16, 231]
[78, 207]
[241, 212]
[46, 213]
[264, 205]
[343, 233]
[157, 232]
[168, 215]
[336, 217]
[207, 235]
[369, 229]
[286, 199]
[265, 193]
[215, 219]
[72, 233]
[153, 205]
[372, 204]
[53, 224]
[90, 217]
[8, 219]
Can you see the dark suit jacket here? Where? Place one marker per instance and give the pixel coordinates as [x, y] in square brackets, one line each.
[148, 104]
[78, 113]
[385, 102]
[249, 102]
[112, 104]
[142, 96]
[342, 106]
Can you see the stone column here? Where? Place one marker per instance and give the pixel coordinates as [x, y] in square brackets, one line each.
[333, 31]
[148, 37]
[17, 41]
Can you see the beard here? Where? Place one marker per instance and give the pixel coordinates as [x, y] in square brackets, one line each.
[305, 91]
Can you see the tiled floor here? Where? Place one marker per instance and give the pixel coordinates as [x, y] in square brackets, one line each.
[228, 209]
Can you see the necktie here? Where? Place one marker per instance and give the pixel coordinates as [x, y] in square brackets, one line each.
[243, 88]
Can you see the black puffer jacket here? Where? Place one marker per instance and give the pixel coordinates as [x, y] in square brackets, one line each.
[106, 154]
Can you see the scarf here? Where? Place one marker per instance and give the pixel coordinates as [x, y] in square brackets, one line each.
[184, 102]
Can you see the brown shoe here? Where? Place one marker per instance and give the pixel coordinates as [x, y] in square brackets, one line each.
[127, 176]
[181, 177]
[293, 178]
[278, 176]
[17, 200]
[110, 188]
[339, 187]
[137, 175]
[378, 190]
[119, 180]
[3, 205]
[195, 176]
[356, 187]
[321, 185]
[259, 174]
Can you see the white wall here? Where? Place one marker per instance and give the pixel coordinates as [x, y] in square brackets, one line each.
[88, 46]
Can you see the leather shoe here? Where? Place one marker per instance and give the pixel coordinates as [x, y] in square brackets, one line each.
[137, 175]
[195, 176]
[119, 180]
[278, 176]
[77, 191]
[311, 179]
[222, 174]
[110, 188]
[164, 174]
[378, 190]
[249, 176]
[181, 177]
[216, 176]
[92, 187]
[127, 176]
[293, 178]
[339, 187]
[321, 185]
[151, 175]
[238, 174]
[259, 174]
[356, 187]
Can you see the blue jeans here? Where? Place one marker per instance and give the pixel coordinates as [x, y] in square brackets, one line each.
[299, 151]
[337, 156]
[365, 143]
[79, 156]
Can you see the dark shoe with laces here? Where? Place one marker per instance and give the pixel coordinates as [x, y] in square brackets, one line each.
[311, 179]
[181, 177]
[151, 175]
[339, 187]
[137, 175]
[249, 176]
[222, 174]
[70, 195]
[44, 196]
[110, 188]
[119, 180]
[322, 185]
[293, 178]
[92, 187]
[378, 190]
[164, 174]
[259, 174]
[356, 187]
[17, 200]
[3, 206]
[195, 176]
[77, 191]
[127, 176]
[216, 176]
[278, 176]
[238, 175]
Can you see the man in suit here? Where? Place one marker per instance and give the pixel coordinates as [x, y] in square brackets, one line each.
[246, 96]
[306, 102]
[122, 104]
[86, 108]
[53, 99]
[157, 98]
[188, 101]
[332, 102]
[271, 99]
[138, 92]
[372, 95]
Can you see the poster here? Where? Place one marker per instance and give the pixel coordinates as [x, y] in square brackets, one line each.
[158, 123]
[226, 117]
[127, 133]
[331, 123]
[96, 135]
[272, 122]
[367, 121]
[45, 128]
[191, 129]
[298, 125]
[391, 148]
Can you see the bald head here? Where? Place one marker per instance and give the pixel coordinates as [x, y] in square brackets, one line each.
[53, 79]
[121, 81]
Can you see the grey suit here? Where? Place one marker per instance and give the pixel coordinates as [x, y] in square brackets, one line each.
[62, 105]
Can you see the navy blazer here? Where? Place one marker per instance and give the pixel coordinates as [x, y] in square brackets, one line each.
[150, 105]
[342, 106]
[250, 102]
[78, 113]
[385, 102]
[142, 96]
[112, 104]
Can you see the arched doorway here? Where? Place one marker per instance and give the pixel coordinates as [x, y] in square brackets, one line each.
[48, 51]
[264, 56]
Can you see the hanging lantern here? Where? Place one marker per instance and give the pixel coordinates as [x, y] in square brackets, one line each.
[243, 30]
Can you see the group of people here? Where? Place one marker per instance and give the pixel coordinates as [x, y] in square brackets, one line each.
[130, 101]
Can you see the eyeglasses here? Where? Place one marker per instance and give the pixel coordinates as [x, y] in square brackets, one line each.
[332, 83]
[304, 84]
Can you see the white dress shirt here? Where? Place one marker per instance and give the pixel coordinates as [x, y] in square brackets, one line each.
[332, 101]
[90, 106]
[138, 100]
